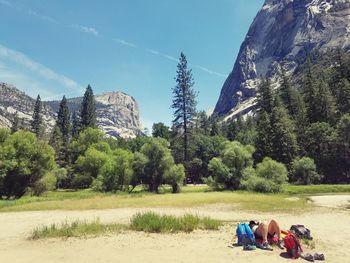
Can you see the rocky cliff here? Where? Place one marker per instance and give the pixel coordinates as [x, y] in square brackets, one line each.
[117, 113]
[283, 33]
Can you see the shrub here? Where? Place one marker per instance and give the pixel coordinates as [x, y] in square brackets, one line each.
[61, 176]
[304, 171]
[24, 161]
[175, 177]
[47, 183]
[268, 177]
[116, 173]
[227, 169]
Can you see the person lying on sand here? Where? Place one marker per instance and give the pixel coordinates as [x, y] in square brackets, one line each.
[263, 230]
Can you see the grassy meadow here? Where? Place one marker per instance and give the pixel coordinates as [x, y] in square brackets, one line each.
[191, 196]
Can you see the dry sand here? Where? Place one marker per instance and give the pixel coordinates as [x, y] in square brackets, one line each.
[330, 228]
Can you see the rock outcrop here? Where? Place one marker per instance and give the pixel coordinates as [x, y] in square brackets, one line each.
[283, 33]
[117, 112]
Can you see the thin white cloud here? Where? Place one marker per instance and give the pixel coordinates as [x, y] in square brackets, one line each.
[124, 42]
[208, 70]
[42, 17]
[89, 30]
[44, 72]
[5, 2]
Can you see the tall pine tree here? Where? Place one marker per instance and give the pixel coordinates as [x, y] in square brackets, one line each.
[88, 110]
[184, 101]
[76, 125]
[37, 119]
[63, 124]
[263, 141]
[264, 97]
[283, 140]
[343, 96]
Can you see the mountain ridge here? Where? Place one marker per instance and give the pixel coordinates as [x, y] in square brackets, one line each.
[117, 112]
[282, 34]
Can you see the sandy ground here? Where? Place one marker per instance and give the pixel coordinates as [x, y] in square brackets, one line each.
[329, 226]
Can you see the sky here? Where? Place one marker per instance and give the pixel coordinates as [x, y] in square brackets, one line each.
[58, 47]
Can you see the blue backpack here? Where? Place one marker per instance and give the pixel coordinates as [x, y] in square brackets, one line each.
[245, 235]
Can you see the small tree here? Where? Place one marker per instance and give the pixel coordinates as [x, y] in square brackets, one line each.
[175, 177]
[304, 171]
[269, 176]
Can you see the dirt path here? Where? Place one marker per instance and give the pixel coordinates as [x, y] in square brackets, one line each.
[330, 227]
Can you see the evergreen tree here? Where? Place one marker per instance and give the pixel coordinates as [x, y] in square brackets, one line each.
[263, 142]
[264, 97]
[15, 123]
[60, 141]
[203, 123]
[63, 120]
[37, 120]
[214, 125]
[290, 96]
[309, 86]
[161, 130]
[56, 142]
[184, 101]
[88, 110]
[324, 107]
[232, 130]
[343, 151]
[343, 96]
[301, 124]
[283, 140]
[76, 125]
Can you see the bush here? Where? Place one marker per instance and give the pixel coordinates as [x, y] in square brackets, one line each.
[116, 173]
[268, 177]
[24, 161]
[61, 176]
[227, 169]
[304, 171]
[175, 177]
[47, 183]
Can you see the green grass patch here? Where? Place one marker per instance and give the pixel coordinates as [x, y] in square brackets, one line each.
[155, 223]
[147, 222]
[76, 229]
[243, 200]
[237, 200]
[316, 189]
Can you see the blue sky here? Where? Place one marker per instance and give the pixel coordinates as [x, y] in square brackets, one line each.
[56, 47]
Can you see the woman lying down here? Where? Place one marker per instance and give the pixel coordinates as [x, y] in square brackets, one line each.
[264, 231]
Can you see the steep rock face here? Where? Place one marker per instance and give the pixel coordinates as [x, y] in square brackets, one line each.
[117, 113]
[282, 34]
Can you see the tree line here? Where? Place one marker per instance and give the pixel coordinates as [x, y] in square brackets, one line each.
[298, 133]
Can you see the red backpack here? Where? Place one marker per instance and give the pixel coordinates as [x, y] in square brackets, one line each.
[292, 244]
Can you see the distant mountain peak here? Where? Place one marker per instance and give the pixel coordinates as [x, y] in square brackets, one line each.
[117, 112]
